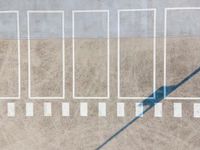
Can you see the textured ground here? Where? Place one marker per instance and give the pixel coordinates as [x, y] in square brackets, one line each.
[85, 133]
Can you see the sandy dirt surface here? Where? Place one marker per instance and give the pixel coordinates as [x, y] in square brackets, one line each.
[87, 133]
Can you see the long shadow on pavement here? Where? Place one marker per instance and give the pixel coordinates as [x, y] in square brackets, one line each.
[149, 103]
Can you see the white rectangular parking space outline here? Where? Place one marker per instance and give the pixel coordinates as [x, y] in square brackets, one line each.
[165, 52]
[18, 52]
[29, 49]
[108, 53]
[154, 52]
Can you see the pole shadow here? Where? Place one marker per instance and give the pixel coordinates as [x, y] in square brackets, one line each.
[150, 103]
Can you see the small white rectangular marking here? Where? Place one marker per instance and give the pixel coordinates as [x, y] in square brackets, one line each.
[29, 109]
[102, 109]
[196, 110]
[83, 109]
[139, 109]
[120, 110]
[158, 110]
[177, 109]
[65, 109]
[47, 109]
[11, 109]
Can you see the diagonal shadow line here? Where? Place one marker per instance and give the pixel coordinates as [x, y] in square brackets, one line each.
[150, 103]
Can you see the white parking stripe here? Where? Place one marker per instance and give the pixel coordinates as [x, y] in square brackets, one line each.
[120, 110]
[65, 109]
[196, 110]
[47, 109]
[158, 110]
[177, 109]
[139, 109]
[102, 109]
[83, 109]
[11, 109]
[29, 109]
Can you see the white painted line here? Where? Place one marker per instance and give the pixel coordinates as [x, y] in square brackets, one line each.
[29, 54]
[45, 11]
[29, 109]
[182, 98]
[165, 52]
[65, 109]
[183, 8]
[83, 109]
[47, 109]
[108, 54]
[89, 11]
[120, 110]
[102, 109]
[165, 60]
[11, 109]
[18, 54]
[177, 109]
[196, 110]
[158, 110]
[154, 53]
[139, 109]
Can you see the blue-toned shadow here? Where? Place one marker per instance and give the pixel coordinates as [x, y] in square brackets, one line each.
[149, 103]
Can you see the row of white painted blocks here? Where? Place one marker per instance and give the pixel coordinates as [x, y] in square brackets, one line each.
[177, 109]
